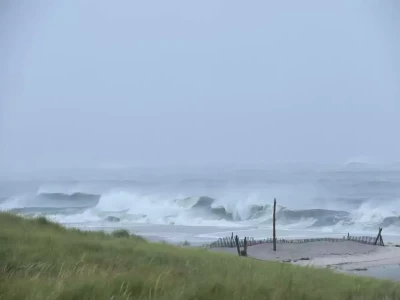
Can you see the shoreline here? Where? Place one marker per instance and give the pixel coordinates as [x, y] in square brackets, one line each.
[207, 234]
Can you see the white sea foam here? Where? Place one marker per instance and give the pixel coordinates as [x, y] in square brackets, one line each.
[366, 200]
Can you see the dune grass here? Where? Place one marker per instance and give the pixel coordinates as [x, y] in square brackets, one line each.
[43, 260]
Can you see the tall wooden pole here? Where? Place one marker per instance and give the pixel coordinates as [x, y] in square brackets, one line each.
[273, 228]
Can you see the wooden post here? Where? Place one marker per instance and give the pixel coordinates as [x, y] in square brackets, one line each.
[273, 227]
[237, 244]
[232, 240]
[379, 236]
[245, 247]
[382, 243]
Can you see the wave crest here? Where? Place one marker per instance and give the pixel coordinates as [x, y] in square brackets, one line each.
[234, 209]
[73, 196]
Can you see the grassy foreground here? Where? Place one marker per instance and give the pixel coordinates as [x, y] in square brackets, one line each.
[42, 260]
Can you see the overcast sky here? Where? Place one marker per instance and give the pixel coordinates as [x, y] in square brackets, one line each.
[152, 83]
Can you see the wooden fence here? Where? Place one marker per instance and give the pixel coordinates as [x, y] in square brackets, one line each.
[229, 242]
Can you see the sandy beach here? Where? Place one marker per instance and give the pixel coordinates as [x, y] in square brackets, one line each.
[347, 256]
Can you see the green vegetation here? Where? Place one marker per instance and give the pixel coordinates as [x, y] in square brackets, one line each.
[42, 260]
[185, 243]
[121, 233]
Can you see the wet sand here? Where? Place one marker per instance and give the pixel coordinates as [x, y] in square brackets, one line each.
[346, 256]
[312, 250]
[391, 272]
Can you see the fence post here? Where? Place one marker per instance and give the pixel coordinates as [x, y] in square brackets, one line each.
[237, 244]
[245, 247]
[274, 220]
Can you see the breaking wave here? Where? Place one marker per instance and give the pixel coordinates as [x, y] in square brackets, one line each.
[73, 197]
[123, 206]
[163, 209]
[336, 200]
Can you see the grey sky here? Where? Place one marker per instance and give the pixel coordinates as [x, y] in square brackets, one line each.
[148, 83]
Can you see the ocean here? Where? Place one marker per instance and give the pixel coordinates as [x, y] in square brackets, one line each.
[200, 207]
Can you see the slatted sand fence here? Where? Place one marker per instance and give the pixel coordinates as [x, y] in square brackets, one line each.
[228, 242]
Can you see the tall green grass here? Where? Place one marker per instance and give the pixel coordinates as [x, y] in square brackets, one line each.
[43, 260]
